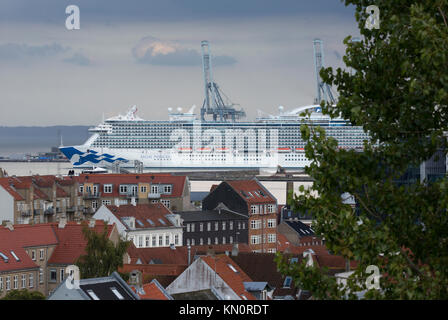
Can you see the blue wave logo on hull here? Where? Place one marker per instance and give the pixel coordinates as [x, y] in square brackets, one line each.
[78, 157]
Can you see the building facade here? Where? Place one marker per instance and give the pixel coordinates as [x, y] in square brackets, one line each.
[252, 199]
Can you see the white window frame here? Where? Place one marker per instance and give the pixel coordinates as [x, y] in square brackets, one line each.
[107, 188]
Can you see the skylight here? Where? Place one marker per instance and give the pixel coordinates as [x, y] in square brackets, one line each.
[150, 222]
[14, 255]
[116, 293]
[5, 258]
[93, 295]
[140, 223]
[232, 267]
[162, 222]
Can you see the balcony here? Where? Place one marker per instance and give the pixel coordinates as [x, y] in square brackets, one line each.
[26, 213]
[70, 209]
[91, 195]
[153, 195]
[132, 195]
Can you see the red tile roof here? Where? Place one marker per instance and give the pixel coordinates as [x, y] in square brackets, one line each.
[34, 235]
[233, 279]
[155, 269]
[153, 292]
[10, 189]
[249, 190]
[156, 212]
[72, 242]
[8, 243]
[165, 255]
[178, 182]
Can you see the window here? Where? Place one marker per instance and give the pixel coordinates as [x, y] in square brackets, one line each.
[188, 227]
[209, 226]
[255, 239]
[147, 241]
[216, 240]
[24, 281]
[160, 241]
[8, 283]
[31, 280]
[201, 227]
[209, 241]
[1, 284]
[106, 202]
[61, 275]
[201, 241]
[107, 188]
[123, 189]
[140, 241]
[143, 189]
[81, 189]
[230, 239]
[166, 203]
[93, 295]
[271, 223]
[167, 240]
[154, 241]
[16, 282]
[272, 250]
[253, 209]
[192, 242]
[192, 227]
[271, 237]
[230, 225]
[216, 226]
[176, 239]
[95, 204]
[154, 189]
[223, 240]
[167, 189]
[271, 208]
[41, 254]
[287, 282]
[255, 224]
[41, 275]
[33, 255]
[116, 293]
[224, 226]
[53, 275]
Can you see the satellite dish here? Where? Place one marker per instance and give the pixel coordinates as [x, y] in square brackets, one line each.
[179, 109]
[170, 109]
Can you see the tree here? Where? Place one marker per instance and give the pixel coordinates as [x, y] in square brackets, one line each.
[398, 93]
[102, 256]
[23, 294]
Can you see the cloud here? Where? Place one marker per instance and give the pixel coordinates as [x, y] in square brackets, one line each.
[78, 59]
[150, 50]
[15, 51]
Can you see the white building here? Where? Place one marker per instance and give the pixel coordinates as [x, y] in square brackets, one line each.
[146, 225]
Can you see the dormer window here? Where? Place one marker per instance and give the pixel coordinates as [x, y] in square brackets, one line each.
[167, 189]
[107, 188]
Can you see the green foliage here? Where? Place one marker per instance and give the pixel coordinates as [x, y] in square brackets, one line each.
[23, 294]
[102, 256]
[398, 92]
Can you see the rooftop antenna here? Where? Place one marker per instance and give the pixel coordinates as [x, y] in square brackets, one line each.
[323, 90]
[214, 103]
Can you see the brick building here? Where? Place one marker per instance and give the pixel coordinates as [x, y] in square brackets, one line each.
[253, 200]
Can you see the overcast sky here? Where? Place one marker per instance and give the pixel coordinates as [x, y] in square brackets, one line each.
[147, 53]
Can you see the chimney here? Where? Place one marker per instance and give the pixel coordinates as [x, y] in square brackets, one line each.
[8, 224]
[189, 254]
[136, 280]
[62, 222]
[235, 250]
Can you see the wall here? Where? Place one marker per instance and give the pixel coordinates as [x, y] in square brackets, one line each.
[6, 206]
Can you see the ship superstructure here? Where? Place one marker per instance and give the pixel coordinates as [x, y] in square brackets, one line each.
[222, 142]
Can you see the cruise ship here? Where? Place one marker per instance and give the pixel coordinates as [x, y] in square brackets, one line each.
[226, 141]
